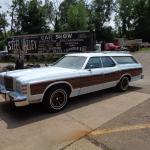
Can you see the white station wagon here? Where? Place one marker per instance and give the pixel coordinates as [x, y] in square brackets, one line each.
[73, 75]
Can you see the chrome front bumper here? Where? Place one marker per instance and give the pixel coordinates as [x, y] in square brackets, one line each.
[14, 96]
[142, 76]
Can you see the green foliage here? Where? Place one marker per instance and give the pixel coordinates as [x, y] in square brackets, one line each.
[49, 11]
[124, 16]
[107, 34]
[2, 45]
[30, 17]
[101, 11]
[3, 23]
[100, 14]
[145, 49]
[62, 20]
[3, 34]
[142, 21]
[18, 14]
[132, 19]
[77, 17]
[36, 18]
[72, 15]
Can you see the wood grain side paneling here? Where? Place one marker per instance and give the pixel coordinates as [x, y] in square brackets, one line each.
[39, 88]
[81, 82]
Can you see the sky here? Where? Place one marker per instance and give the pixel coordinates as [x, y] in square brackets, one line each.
[5, 4]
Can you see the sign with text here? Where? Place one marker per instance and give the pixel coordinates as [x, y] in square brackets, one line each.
[64, 42]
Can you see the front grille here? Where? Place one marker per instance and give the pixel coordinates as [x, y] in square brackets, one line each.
[1, 80]
[8, 82]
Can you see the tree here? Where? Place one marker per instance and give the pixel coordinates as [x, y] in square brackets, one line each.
[56, 24]
[124, 17]
[106, 34]
[30, 17]
[132, 18]
[50, 12]
[100, 14]
[18, 15]
[36, 18]
[141, 20]
[118, 26]
[3, 25]
[77, 16]
[11, 12]
[63, 13]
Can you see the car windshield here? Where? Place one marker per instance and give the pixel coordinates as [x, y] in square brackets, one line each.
[71, 62]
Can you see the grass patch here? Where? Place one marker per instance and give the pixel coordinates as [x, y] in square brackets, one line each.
[145, 49]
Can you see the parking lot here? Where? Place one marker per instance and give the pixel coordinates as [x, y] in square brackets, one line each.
[106, 120]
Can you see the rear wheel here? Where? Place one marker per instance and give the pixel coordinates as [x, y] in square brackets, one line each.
[55, 99]
[123, 84]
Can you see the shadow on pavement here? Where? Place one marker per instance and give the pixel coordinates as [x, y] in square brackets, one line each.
[16, 117]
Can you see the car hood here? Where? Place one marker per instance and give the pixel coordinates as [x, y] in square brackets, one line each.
[41, 74]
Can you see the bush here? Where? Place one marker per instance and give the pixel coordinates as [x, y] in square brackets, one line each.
[2, 45]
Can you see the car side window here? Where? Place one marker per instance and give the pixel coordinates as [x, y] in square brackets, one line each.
[125, 60]
[94, 62]
[107, 62]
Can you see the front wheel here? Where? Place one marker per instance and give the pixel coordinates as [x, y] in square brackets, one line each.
[123, 85]
[55, 99]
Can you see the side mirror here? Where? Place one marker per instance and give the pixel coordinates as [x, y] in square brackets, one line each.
[90, 67]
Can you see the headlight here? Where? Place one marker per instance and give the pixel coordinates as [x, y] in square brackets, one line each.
[21, 87]
[24, 89]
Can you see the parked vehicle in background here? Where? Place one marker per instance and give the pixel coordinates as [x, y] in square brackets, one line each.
[130, 45]
[73, 75]
[145, 45]
[111, 47]
[3, 54]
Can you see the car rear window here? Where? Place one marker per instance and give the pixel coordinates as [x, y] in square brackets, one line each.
[125, 60]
